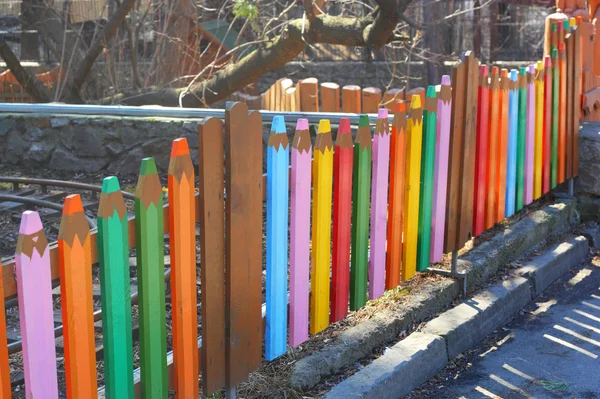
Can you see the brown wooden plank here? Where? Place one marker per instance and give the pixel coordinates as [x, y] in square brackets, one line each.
[330, 97]
[569, 42]
[351, 96]
[309, 95]
[371, 100]
[576, 100]
[243, 216]
[468, 153]
[454, 161]
[212, 269]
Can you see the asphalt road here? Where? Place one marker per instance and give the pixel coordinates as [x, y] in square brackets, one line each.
[551, 350]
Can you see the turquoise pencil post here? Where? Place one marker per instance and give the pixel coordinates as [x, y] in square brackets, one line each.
[511, 162]
[427, 172]
[149, 232]
[521, 139]
[361, 185]
[277, 239]
[113, 255]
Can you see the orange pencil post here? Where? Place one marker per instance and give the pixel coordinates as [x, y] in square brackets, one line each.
[4, 369]
[503, 145]
[182, 229]
[75, 267]
[492, 157]
[562, 112]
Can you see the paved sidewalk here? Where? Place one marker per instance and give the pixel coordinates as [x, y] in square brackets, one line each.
[552, 350]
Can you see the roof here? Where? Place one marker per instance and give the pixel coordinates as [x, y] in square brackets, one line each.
[218, 28]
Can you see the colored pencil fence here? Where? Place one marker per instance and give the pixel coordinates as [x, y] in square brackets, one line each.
[481, 146]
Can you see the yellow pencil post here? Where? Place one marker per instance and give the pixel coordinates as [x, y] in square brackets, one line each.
[539, 130]
[414, 138]
[321, 228]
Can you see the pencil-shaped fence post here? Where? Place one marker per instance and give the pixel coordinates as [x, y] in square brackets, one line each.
[321, 228]
[503, 147]
[427, 176]
[75, 266]
[182, 234]
[4, 368]
[511, 160]
[34, 287]
[569, 43]
[113, 255]
[396, 200]
[539, 131]
[481, 148]
[300, 232]
[149, 231]
[530, 141]
[440, 179]
[521, 140]
[555, 117]
[414, 138]
[379, 200]
[361, 184]
[576, 97]
[492, 155]
[547, 124]
[342, 216]
[562, 112]
[277, 239]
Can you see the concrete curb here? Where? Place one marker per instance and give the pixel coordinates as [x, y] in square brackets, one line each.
[461, 328]
[480, 265]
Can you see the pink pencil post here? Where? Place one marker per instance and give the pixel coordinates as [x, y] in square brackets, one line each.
[440, 176]
[34, 287]
[530, 138]
[379, 191]
[300, 233]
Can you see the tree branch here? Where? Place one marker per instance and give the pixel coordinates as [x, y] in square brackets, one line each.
[31, 84]
[99, 45]
[371, 31]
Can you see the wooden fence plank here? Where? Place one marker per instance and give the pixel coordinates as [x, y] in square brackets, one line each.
[440, 185]
[555, 117]
[76, 300]
[371, 99]
[547, 124]
[530, 139]
[243, 224]
[391, 97]
[309, 95]
[351, 99]
[521, 140]
[300, 233]
[414, 138]
[569, 43]
[32, 267]
[114, 285]
[379, 201]
[513, 132]
[361, 184]
[576, 97]
[151, 281]
[481, 152]
[503, 147]
[330, 97]
[539, 131]
[342, 217]
[277, 240]
[184, 294]
[212, 258]
[396, 200]
[562, 113]
[492, 154]
[427, 175]
[4, 368]
[321, 228]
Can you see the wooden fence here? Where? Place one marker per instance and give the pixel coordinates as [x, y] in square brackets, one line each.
[456, 159]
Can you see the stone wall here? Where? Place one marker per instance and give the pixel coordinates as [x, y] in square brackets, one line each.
[91, 144]
[589, 159]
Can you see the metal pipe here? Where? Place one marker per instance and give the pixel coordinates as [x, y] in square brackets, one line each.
[41, 203]
[165, 112]
[59, 183]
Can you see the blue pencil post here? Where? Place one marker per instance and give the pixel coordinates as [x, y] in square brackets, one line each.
[511, 163]
[277, 240]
